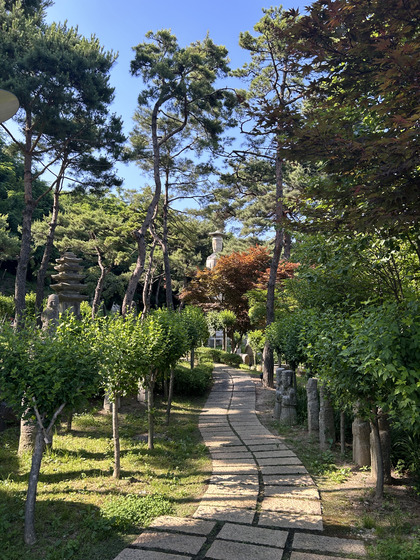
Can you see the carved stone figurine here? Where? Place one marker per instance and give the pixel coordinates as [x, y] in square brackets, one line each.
[279, 393]
[288, 413]
[49, 316]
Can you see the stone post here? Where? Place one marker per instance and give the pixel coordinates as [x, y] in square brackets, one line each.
[288, 414]
[313, 405]
[326, 420]
[279, 393]
[361, 442]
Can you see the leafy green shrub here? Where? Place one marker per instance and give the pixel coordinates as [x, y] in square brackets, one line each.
[124, 512]
[193, 382]
[397, 549]
[233, 360]
[7, 307]
[205, 354]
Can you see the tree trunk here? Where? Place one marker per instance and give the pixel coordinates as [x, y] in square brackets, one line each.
[150, 414]
[116, 436]
[29, 533]
[157, 295]
[268, 358]
[25, 248]
[147, 291]
[165, 250]
[28, 430]
[69, 421]
[342, 433]
[379, 491]
[170, 395]
[46, 257]
[100, 283]
[151, 213]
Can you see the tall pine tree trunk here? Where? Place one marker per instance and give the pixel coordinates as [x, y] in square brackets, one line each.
[148, 282]
[268, 357]
[28, 210]
[46, 257]
[100, 283]
[150, 214]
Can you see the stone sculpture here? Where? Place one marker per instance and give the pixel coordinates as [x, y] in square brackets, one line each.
[279, 393]
[50, 315]
[288, 414]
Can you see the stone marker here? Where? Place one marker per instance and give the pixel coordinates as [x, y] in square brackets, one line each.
[326, 420]
[361, 442]
[288, 413]
[313, 405]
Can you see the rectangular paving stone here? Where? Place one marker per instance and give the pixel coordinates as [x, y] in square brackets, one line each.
[235, 515]
[228, 454]
[263, 440]
[284, 469]
[231, 489]
[183, 525]
[226, 550]
[284, 520]
[319, 543]
[309, 492]
[310, 507]
[269, 446]
[226, 501]
[255, 535]
[288, 480]
[240, 469]
[273, 461]
[238, 462]
[270, 454]
[138, 554]
[170, 542]
[241, 479]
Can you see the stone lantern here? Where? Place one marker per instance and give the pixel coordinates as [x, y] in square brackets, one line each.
[69, 283]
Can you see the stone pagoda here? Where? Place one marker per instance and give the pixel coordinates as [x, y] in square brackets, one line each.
[69, 283]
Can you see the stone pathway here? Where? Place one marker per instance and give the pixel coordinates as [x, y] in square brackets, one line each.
[261, 503]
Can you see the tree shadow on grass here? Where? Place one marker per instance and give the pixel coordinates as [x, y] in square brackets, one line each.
[64, 530]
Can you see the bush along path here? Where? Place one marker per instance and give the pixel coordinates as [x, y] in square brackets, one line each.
[260, 504]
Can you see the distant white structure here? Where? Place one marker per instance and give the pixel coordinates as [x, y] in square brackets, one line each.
[217, 246]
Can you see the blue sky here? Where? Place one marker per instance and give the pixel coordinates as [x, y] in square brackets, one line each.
[120, 25]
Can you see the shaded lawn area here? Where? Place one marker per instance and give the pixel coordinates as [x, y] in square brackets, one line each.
[82, 512]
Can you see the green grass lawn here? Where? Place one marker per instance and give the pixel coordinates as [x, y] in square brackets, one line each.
[82, 512]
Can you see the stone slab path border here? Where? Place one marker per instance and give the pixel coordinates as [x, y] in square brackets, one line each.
[260, 504]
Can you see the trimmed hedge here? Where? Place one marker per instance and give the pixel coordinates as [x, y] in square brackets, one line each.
[193, 382]
[205, 354]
